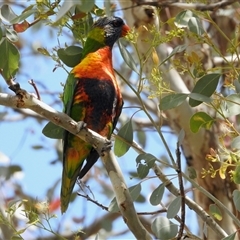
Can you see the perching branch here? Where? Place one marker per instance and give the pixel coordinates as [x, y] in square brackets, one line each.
[194, 6]
[123, 197]
[25, 100]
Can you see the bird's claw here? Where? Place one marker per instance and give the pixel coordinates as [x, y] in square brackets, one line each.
[106, 147]
[80, 126]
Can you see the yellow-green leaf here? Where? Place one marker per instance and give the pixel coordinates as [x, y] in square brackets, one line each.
[9, 59]
[215, 212]
[200, 119]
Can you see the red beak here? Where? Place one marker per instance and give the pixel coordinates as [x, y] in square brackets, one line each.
[125, 30]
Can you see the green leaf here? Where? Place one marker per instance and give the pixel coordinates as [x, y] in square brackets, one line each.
[149, 159]
[172, 100]
[135, 191]
[195, 26]
[24, 15]
[21, 231]
[141, 137]
[44, 52]
[70, 56]
[123, 143]
[174, 207]
[113, 206]
[6, 13]
[141, 199]
[144, 166]
[142, 170]
[215, 212]
[53, 131]
[205, 86]
[200, 119]
[235, 144]
[230, 237]
[192, 172]
[236, 175]
[164, 229]
[157, 194]
[16, 238]
[200, 97]
[231, 106]
[98, 11]
[236, 199]
[182, 18]
[85, 6]
[9, 59]
[127, 57]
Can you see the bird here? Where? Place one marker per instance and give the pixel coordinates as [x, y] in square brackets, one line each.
[91, 95]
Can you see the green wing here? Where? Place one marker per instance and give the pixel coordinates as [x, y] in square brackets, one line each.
[68, 93]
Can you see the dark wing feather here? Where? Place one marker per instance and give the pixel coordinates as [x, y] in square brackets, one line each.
[90, 161]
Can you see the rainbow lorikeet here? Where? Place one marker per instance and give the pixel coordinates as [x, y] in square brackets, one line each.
[92, 95]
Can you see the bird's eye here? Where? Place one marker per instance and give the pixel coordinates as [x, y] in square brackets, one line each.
[117, 23]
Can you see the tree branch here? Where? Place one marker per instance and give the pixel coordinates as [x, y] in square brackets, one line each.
[25, 100]
[123, 197]
[195, 6]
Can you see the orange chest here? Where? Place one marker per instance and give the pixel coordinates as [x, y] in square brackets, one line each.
[97, 65]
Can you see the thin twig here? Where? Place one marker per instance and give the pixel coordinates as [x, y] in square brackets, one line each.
[31, 82]
[152, 213]
[182, 192]
[93, 201]
[106, 208]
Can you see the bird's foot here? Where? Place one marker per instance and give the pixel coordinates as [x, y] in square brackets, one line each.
[80, 126]
[106, 147]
